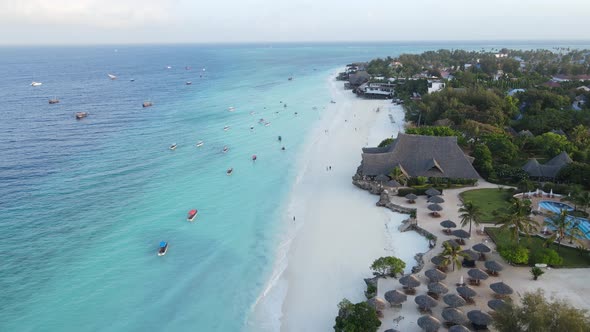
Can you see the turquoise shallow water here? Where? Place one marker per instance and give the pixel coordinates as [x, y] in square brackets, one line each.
[84, 204]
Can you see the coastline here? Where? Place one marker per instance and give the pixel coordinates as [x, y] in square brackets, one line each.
[338, 230]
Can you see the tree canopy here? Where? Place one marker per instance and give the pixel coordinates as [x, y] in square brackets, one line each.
[359, 317]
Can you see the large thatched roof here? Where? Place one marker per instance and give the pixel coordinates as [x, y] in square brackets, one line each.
[493, 266]
[430, 156]
[454, 315]
[425, 301]
[358, 78]
[435, 275]
[429, 323]
[548, 170]
[454, 300]
[395, 297]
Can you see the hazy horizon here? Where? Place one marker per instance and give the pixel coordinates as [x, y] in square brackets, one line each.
[109, 22]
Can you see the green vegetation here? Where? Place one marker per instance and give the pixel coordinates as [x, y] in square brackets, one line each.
[452, 255]
[359, 317]
[564, 227]
[541, 315]
[388, 266]
[489, 201]
[537, 272]
[371, 291]
[534, 247]
[470, 214]
[385, 142]
[516, 219]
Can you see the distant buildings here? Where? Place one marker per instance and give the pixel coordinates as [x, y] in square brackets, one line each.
[550, 169]
[435, 86]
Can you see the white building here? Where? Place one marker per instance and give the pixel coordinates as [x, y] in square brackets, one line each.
[435, 86]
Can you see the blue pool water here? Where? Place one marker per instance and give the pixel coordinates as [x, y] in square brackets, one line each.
[557, 207]
[84, 204]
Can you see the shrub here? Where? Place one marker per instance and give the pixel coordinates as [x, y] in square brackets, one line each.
[385, 142]
[545, 256]
[536, 272]
[515, 254]
[388, 266]
[371, 291]
[356, 317]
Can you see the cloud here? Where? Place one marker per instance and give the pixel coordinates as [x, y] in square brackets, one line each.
[97, 13]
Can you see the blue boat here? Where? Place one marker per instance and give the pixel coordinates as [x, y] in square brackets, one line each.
[163, 248]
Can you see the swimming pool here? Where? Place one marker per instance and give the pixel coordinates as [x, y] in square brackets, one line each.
[556, 207]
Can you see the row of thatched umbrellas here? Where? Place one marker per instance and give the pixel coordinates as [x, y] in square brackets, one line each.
[456, 316]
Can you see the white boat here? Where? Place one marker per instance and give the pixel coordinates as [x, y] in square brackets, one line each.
[266, 124]
[231, 109]
[168, 67]
[188, 83]
[226, 128]
[113, 77]
[200, 143]
[163, 248]
[192, 214]
[252, 113]
[225, 149]
[173, 146]
[229, 171]
[36, 84]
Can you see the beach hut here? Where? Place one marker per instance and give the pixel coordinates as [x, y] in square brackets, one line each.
[501, 289]
[409, 282]
[429, 323]
[448, 224]
[432, 192]
[435, 208]
[454, 300]
[454, 316]
[435, 289]
[436, 199]
[377, 303]
[481, 249]
[497, 304]
[458, 328]
[477, 275]
[461, 234]
[493, 267]
[411, 198]
[479, 319]
[395, 297]
[466, 293]
[435, 275]
[425, 302]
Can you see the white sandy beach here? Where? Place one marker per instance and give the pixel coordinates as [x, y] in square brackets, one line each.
[341, 230]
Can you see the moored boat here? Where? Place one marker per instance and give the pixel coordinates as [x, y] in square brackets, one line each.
[81, 115]
[231, 109]
[173, 146]
[226, 128]
[254, 157]
[188, 83]
[200, 143]
[229, 171]
[163, 248]
[147, 104]
[36, 83]
[192, 214]
[280, 138]
[225, 149]
[53, 101]
[266, 124]
[111, 76]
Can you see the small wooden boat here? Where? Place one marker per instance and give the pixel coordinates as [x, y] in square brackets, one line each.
[266, 124]
[54, 101]
[229, 171]
[200, 143]
[147, 104]
[225, 149]
[280, 138]
[226, 128]
[173, 146]
[81, 115]
[192, 214]
[163, 248]
[254, 157]
[231, 109]
[290, 78]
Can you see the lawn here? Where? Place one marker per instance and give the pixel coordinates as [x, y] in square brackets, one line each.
[488, 201]
[571, 257]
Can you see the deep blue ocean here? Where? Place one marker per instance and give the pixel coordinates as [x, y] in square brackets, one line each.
[84, 203]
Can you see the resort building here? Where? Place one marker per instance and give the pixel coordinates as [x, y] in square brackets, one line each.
[548, 170]
[435, 86]
[417, 155]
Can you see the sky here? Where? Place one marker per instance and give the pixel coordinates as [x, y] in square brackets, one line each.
[233, 21]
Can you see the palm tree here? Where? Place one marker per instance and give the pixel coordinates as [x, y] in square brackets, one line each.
[517, 219]
[452, 255]
[470, 214]
[583, 200]
[562, 226]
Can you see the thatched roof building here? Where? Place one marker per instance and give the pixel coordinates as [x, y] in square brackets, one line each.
[548, 170]
[417, 155]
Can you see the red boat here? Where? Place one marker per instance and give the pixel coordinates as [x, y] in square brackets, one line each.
[192, 214]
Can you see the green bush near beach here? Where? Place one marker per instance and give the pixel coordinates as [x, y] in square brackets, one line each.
[490, 201]
[536, 250]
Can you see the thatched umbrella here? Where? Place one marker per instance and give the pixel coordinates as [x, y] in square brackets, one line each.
[461, 233]
[392, 184]
[438, 288]
[409, 281]
[377, 303]
[454, 315]
[429, 323]
[479, 318]
[466, 291]
[425, 301]
[435, 207]
[411, 197]
[496, 304]
[382, 178]
[432, 192]
[454, 300]
[391, 330]
[501, 288]
[458, 328]
[435, 275]
[436, 199]
[448, 224]
[439, 261]
[493, 267]
[452, 243]
[470, 254]
[395, 297]
[477, 274]
[482, 248]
